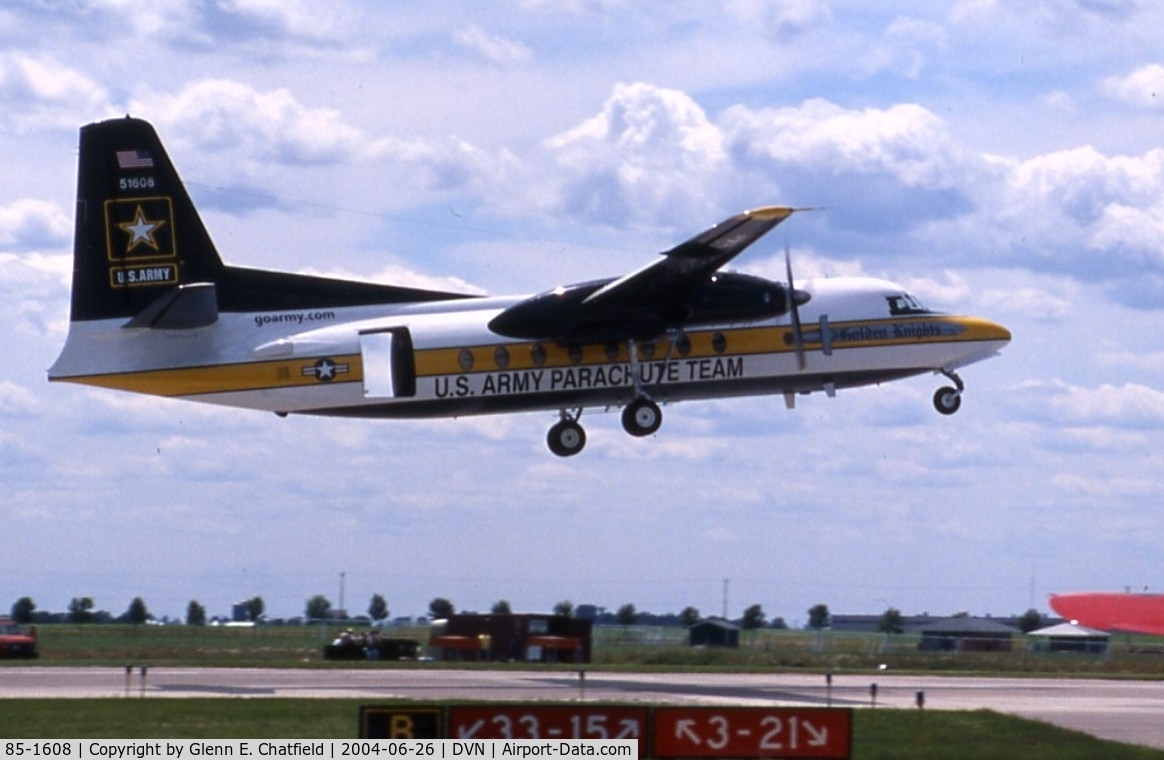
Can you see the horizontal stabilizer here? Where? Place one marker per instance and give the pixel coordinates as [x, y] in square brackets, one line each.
[186, 307]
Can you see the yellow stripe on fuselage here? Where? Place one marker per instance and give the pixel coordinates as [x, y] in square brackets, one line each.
[228, 378]
[707, 344]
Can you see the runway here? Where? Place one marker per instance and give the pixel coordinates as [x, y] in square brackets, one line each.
[1126, 711]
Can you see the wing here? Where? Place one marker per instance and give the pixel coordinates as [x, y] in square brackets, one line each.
[689, 265]
[668, 292]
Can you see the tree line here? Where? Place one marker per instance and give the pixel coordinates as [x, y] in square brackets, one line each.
[318, 607]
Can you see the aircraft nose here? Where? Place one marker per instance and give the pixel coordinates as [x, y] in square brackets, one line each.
[984, 329]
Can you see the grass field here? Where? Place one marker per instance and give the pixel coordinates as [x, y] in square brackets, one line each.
[884, 735]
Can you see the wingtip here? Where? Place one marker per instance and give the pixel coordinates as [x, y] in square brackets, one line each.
[779, 212]
[771, 212]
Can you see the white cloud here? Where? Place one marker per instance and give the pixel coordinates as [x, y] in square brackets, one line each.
[905, 141]
[1069, 201]
[491, 47]
[783, 19]
[1143, 87]
[652, 154]
[17, 401]
[223, 114]
[574, 7]
[40, 92]
[873, 168]
[31, 223]
[1131, 405]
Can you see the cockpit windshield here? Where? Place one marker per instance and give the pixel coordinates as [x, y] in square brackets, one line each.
[904, 303]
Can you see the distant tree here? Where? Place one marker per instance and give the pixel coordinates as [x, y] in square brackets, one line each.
[81, 609]
[501, 607]
[378, 608]
[254, 608]
[195, 613]
[318, 608]
[136, 613]
[778, 624]
[753, 618]
[440, 608]
[1030, 620]
[564, 608]
[689, 617]
[891, 621]
[627, 614]
[819, 617]
[22, 610]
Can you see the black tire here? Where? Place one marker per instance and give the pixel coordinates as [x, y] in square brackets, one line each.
[947, 400]
[566, 438]
[641, 417]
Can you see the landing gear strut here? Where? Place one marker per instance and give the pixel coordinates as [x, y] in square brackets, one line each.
[566, 438]
[948, 400]
[641, 417]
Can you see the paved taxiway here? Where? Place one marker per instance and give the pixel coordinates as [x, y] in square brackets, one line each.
[1127, 711]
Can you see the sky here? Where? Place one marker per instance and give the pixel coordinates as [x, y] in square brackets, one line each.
[998, 159]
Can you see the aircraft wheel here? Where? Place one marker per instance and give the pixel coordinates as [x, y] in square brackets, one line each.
[641, 417]
[566, 438]
[947, 400]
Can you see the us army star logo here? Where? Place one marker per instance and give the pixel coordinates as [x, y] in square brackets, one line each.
[325, 370]
[141, 231]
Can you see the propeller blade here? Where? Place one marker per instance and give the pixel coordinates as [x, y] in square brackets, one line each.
[794, 300]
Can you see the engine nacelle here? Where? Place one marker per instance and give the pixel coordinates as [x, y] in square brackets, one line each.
[562, 313]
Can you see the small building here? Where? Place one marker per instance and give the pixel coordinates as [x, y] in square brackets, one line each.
[511, 637]
[1071, 637]
[967, 634]
[714, 632]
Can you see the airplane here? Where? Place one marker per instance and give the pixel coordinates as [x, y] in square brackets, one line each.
[155, 310]
[1112, 611]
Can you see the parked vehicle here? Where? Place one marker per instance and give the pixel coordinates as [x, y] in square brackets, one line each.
[17, 641]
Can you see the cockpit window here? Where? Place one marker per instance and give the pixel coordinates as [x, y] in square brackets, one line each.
[905, 304]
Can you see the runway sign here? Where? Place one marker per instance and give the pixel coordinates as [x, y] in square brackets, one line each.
[752, 732]
[549, 722]
[401, 723]
[673, 733]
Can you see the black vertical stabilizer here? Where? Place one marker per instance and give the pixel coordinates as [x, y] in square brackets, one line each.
[137, 234]
[139, 244]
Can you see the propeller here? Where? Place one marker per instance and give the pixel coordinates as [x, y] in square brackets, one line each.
[795, 299]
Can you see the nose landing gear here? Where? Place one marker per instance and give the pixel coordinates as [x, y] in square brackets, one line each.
[948, 400]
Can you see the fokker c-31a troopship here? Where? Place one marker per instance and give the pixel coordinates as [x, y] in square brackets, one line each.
[155, 310]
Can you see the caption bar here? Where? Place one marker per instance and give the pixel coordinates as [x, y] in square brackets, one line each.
[339, 749]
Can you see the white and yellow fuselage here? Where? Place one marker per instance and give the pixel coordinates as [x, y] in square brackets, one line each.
[439, 358]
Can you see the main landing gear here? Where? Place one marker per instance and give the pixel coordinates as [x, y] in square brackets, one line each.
[948, 400]
[640, 418]
[566, 438]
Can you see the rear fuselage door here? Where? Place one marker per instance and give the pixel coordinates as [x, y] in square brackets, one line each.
[389, 364]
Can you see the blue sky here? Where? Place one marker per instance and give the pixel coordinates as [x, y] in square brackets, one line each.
[998, 159]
